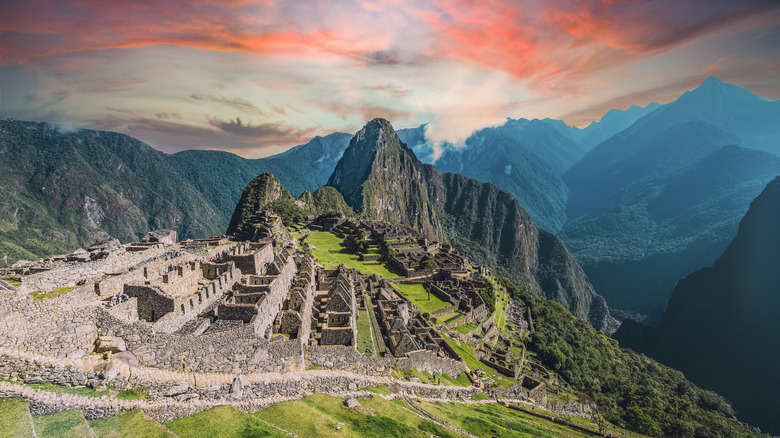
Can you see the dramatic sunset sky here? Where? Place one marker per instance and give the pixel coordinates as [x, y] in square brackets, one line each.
[255, 77]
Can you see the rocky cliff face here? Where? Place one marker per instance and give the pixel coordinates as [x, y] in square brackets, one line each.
[261, 191]
[266, 192]
[380, 177]
[722, 323]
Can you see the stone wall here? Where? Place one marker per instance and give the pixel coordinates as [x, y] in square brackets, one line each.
[48, 325]
[272, 304]
[346, 358]
[236, 350]
[127, 311]
[431, 362]
[71, 273]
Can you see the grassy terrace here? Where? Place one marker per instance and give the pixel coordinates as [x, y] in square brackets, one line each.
[223, 422]
[128, 424]
[467, 353]
[365, 340]
[502, 302]
[65, 424]
[379, 344]
[328, 251]
[465, 328]
[319, 415]
[482, 419]
[419, 296]
[14, 418]
[38, 295]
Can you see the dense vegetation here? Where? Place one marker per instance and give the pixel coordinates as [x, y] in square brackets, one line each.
[632, 391]
[722, 323]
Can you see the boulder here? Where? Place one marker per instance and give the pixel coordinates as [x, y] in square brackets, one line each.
[181, 388]
[128, 358]
[237, 387]
[113, 344]
[351, 402]
[107, 370]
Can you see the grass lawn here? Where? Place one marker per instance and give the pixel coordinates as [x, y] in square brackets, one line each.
[466, 352]
[466, 328]
[222, 422]
[14, 283]
[318, 415]
[38, 295]
[65, 424]
[379, 343]
[461, 380]
[14, 419]
[419, 296]
[365, 340]
[128, 424]
[481, 420]
[449, 317]
[87, 392]
[325, 242]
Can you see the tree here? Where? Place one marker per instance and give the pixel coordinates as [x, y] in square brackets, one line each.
[429, 264]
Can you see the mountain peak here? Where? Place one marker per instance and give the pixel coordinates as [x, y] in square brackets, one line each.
[712, 81]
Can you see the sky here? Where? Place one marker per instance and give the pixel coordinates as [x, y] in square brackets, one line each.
[257, 77]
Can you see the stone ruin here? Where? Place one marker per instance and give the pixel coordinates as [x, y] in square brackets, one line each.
[219, 306]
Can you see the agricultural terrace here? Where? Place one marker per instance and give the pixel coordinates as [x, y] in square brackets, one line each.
[330, 252]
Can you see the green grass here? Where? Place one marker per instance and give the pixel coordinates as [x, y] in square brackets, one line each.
[502, 301]
[480, 396]
[466, 328]
[38, 295]
[466, 352]
[379, 342]
[65, 424]
[318, 415]
[14, 283]
[382, 389]
[365, 340]
[132, 394]
[449, 317]
[50, 387]
[222, 422]
[129, 424]
[327, 251]
[481, 420]
[461, 380]
[14, 419]
[419, 296]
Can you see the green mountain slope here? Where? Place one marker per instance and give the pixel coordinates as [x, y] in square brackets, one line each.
[722, 323]
[62, 191]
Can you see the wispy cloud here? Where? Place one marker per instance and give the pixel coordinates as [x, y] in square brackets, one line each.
[267, 72]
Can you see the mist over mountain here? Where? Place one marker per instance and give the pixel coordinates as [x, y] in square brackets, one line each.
[722, 322]
[381, 178]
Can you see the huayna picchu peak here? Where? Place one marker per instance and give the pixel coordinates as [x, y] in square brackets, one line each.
[381, 177]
